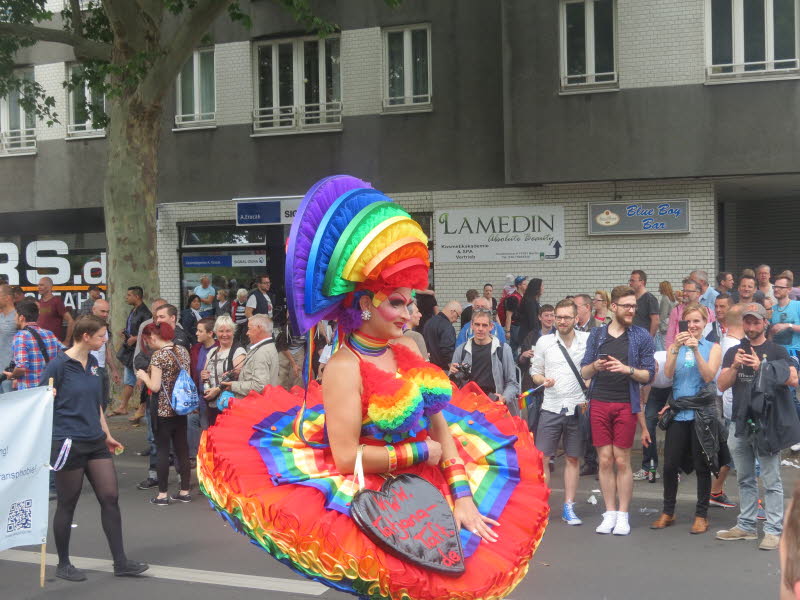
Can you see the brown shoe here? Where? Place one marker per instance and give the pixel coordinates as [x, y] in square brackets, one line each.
[663, 521]
[700, 525]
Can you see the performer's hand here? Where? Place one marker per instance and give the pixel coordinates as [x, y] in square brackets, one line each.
[466, 515]
[434, 452]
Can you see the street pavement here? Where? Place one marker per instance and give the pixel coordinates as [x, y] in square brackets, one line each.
[195, 555]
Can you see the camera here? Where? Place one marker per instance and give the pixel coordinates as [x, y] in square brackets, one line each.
[10, 368]
[229, 376]
[462, 375]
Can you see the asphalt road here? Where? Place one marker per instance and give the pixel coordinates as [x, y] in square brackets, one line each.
[195, 555]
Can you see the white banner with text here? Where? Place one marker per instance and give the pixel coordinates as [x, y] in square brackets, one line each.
[25, 440]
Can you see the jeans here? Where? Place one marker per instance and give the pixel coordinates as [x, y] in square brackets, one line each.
[745, 456]
[515, 341]
[655, 402]
[151, 470]
[193, 431]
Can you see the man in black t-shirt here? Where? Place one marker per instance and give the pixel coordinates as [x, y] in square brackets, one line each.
[426, 303]
[647, 313]
[738, 370]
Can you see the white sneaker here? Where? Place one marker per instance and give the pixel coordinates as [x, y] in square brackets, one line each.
[609, 522]
[623, 527]
[796, 448]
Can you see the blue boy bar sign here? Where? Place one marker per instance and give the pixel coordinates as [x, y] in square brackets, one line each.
[627, 218]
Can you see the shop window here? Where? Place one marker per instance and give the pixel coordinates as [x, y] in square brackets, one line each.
[195, 91]
[210, 235]
[588, 57]
[83, 102]
[407, 69]
[298, 86]
[751, 38]
[17, 126]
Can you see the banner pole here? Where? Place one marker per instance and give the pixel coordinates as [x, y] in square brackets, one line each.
[43, 557]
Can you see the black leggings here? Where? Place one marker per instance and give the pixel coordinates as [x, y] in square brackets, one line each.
[680, 440]
[103, 479]
[172, 429]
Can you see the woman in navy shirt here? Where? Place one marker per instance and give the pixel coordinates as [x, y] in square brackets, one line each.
[692, 362]
[80, 432]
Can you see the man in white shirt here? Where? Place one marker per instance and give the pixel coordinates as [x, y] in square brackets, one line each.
[563, 399]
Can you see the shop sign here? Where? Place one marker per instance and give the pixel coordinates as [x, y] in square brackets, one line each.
[626, 218]
[266, 211]
[236, 260]
[499, 234]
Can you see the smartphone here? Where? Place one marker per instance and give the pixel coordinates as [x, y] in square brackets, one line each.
[683, 326]
[745, 345]
[602, 357]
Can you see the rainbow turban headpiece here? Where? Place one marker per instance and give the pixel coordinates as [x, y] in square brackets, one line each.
[345, 238]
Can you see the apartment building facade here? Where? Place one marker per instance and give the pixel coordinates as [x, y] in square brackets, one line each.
[571, 140]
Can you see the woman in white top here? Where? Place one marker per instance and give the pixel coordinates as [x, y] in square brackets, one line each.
[220, 360]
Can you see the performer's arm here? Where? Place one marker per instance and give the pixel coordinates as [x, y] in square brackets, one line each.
[465, 512]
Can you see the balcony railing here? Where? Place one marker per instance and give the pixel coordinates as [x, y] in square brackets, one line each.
[18, 141]
[293, 119]
[76, 130]
[766, 68]
[207, 119]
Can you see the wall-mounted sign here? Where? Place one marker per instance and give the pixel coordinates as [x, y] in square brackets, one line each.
[266, 211]
[499, 234]
[625, 218]
[236, 260]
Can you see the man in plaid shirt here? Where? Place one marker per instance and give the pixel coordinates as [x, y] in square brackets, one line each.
[28, 358]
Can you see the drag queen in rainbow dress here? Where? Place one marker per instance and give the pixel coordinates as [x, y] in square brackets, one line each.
[279, 466]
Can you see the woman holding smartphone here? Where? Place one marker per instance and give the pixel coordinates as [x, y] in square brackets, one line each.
[692, 363]
[81, 441]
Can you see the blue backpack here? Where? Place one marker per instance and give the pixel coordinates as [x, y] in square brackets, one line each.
[185, 398]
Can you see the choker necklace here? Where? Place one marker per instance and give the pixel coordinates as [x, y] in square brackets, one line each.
[366, 344]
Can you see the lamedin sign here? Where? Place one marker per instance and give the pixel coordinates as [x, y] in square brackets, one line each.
[499, 234]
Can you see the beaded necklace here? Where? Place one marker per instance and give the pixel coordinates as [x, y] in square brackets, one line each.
[366, 344]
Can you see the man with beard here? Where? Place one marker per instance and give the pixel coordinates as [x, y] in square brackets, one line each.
[555, 361]
[739, 367]
[618, 360]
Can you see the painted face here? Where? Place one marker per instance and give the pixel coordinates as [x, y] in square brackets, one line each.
[392, 315]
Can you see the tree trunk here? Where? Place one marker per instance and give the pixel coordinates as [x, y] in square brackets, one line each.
[130, 203]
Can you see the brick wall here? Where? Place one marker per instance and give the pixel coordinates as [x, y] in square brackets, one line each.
[589, 262]
[660, 43]
[52, 76]
[233, 72]
[362, 71]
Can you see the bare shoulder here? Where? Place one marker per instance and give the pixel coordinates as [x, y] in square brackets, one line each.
[343, 363]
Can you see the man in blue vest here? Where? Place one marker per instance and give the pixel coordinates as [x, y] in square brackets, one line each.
[259, 302]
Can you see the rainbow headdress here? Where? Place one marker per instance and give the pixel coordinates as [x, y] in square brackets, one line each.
[347, 237]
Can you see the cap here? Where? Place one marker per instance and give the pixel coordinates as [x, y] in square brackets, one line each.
[755, 310]
[519, 279]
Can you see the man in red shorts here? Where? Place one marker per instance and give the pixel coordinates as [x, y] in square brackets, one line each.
[618, 360]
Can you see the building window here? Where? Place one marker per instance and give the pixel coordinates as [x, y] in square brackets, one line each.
[298, 86]
[196, 95]
[588, 58]
[751, 38]
[17, 126]
[83, 103]
[407, 68]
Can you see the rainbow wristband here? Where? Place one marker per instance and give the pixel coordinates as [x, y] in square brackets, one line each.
[456, 476]
[392, 458]
[411, 453]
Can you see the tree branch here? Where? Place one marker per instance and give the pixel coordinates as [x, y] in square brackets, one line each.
[84, 49]
[188, 34]
[152, 8]
[77, 17]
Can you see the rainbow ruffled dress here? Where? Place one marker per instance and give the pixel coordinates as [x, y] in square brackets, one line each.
[267, 470]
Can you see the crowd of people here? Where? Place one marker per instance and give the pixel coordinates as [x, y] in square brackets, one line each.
[697, 362]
